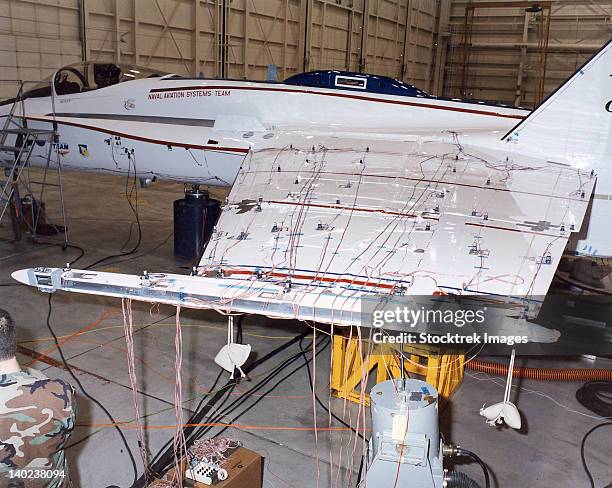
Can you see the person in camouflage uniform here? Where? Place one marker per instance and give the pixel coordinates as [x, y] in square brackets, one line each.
[37, 416]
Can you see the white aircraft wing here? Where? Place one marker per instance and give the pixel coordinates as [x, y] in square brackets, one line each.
[317, 225]
[321, 214]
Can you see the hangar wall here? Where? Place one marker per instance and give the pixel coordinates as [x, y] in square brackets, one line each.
[504, 58]
[419, 41]
[36, 37]
[188, 37]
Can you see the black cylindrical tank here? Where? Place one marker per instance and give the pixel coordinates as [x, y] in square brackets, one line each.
[195, 217]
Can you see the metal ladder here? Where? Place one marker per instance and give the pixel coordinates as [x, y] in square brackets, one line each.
[23, 142]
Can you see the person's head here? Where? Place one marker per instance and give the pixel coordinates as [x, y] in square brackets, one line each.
[8, 343]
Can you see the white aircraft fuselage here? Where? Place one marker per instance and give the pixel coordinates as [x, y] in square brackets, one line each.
[199, 130]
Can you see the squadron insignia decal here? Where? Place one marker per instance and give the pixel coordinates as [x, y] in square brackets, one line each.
[83, 150]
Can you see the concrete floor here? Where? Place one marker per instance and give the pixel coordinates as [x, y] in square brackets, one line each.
[545, 454]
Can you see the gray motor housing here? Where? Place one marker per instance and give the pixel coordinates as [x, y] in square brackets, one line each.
[405, 436]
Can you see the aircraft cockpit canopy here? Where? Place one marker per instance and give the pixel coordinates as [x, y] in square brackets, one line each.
[347, 80]
[84, 77]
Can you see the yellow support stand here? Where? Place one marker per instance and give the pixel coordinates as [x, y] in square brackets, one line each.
[353, 360]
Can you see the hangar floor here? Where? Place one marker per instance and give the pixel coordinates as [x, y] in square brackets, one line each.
[279, 426]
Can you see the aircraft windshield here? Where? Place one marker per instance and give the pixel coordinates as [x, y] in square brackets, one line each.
[82, 77]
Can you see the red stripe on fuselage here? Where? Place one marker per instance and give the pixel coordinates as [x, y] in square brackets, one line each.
[342, 95]
[144, 139]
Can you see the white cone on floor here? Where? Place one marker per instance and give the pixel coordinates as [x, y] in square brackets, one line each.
[504, 412]
[232, 356]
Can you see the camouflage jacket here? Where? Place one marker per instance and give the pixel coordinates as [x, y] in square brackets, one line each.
[36, 418]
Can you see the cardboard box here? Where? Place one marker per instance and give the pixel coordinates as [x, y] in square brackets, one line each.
[244, 469]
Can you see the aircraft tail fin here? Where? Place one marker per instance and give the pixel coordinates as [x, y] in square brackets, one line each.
[574, 124]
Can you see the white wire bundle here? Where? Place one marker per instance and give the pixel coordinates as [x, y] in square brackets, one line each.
[179, 442]
[126, 306]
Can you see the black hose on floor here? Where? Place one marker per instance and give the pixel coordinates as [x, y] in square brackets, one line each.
[474, 457]
[457, 479]
[597, 397]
